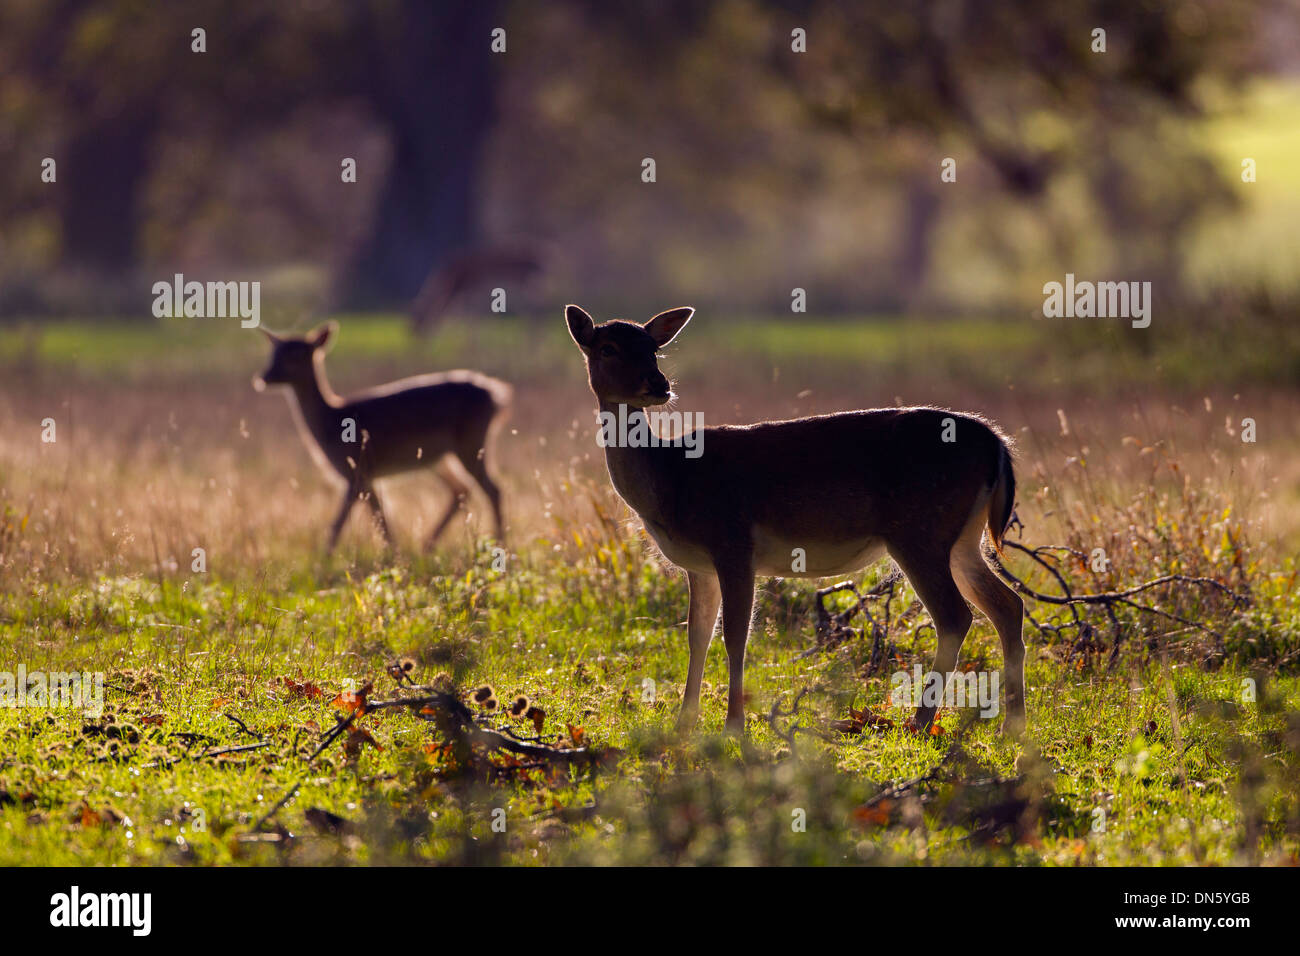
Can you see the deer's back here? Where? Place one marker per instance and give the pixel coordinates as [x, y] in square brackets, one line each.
[412, 422]
[846, 476]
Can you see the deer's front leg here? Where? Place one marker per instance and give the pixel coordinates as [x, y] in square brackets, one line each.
[349, 499]
[706, 597]
[737, 585]
[377, 512]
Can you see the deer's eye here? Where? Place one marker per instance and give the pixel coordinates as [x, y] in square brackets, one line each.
[608, 351]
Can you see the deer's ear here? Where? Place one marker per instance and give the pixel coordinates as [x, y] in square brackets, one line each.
[581, 326]
[663, 328]
[322, 336]
[270, 336]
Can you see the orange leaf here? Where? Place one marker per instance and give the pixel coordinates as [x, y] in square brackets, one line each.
[300, 688]
[350, 700]
[878, 813]
[859, 720]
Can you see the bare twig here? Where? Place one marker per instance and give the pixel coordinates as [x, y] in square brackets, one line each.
[793, 729]
[240, 724]
[833, 628]
[276, 809]
[1106, 599]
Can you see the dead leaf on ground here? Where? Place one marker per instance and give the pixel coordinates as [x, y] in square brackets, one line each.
[875, 814]
[537, 716]
[358, 737]
[860, 720]
[353, 700]
[298, 688]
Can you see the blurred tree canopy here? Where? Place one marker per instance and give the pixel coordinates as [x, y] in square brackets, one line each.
[105, 87]
[775, 168]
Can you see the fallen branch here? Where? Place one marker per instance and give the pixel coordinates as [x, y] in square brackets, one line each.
[793, 729]
[207, 752]
[834, 628]
[243, 748]
[463, 722]
[1105, 597]
[1108, 600]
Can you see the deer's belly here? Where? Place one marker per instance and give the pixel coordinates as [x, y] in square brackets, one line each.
[782, 556]
[777, 555]
[684, 554]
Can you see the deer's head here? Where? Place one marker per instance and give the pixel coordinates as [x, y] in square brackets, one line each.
[623, 357]
[292, 356]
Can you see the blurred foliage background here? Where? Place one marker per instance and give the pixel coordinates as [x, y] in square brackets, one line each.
[775, 169]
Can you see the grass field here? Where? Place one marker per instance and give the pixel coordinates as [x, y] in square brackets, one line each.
[1146, 744]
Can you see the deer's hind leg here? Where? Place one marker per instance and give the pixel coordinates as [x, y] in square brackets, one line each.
[928, 572]
[475, 463]
[448, 472]
[736, 582]
[1005, 609]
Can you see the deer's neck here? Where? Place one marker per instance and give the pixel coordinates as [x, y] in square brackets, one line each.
[637, 471]
[317, 404]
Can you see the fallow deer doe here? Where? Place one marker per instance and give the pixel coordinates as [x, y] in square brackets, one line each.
[920, 484]
[445, 421]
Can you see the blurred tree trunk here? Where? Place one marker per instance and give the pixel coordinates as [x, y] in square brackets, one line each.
[915, 248]
[434, 86]
[100, 177]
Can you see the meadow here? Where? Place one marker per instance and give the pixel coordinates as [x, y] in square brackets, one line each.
[1165, 733]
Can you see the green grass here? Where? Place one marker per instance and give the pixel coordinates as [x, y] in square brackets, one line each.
[1158, 759]
[579, 639]
[1034, 353]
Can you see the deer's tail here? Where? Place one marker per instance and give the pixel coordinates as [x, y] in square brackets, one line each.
[1003, 501]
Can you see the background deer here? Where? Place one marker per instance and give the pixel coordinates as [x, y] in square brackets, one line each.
[445, 421]
[920, 484]
[516, 264]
